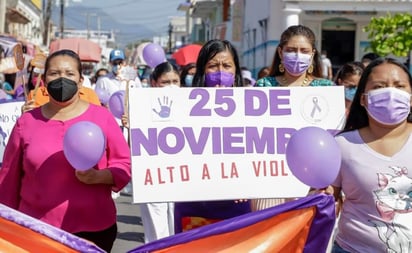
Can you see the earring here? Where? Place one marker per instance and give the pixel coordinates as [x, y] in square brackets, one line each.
[310, 69]
[281, 68]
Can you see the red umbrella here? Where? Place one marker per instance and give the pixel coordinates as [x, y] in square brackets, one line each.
[87, 50]
[187, 54]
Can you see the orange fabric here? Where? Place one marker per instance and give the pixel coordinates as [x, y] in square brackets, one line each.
[16, 238]
[189, 223]
[42, 96]
[284, 233]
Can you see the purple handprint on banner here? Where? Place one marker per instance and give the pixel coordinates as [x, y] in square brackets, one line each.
[165, 107]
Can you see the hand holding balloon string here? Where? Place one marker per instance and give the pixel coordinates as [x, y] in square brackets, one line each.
[94, 176]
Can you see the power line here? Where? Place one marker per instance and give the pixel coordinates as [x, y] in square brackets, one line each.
[119, 4]
[165, 8]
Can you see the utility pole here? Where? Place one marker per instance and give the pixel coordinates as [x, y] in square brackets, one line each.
[88, 22]
[62, 19]
[46, 22]
[2, 16]
[254, 47]
[170, 37]
[98, 29]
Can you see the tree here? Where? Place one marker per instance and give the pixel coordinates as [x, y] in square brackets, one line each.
[390, 34]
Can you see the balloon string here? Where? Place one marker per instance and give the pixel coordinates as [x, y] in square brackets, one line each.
[126, 97]
[24, 87]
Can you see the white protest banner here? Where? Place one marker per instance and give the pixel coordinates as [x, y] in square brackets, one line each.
[218, 143]
[10, 111]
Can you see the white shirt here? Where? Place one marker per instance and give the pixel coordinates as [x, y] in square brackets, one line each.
[110, 84]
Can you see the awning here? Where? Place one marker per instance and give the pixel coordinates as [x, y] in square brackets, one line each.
[87, 50]
[203, 9]
[14, 16]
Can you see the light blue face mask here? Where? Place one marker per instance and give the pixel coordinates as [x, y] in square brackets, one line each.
[115, 68]
[350, 93]
[189, 80]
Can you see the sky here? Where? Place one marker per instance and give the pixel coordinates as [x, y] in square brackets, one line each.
[153, 14]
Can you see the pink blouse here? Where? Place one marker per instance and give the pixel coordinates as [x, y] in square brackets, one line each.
[37, 179]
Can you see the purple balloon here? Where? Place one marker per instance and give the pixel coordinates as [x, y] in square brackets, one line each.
[19, 91]
[116, 103]
[103, 95]
[313, 156]
[153, 54]
[83, 145]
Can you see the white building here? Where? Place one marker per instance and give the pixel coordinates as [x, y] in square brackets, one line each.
[22, 20]
[255, 26]
[337, 24]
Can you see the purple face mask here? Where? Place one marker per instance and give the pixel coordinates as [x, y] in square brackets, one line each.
[221, 78]
[296, 63]
[388, 106]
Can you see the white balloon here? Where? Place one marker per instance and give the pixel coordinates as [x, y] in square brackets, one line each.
[139, 49]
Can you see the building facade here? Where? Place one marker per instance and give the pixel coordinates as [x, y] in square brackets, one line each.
[338, 26]
[23, 20]
[254, 27]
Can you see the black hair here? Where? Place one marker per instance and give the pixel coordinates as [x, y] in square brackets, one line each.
[370, 57]
[162, 68]
[64, 52]
[264, 71]
[349, 69]
[207, 52]
[96, 76]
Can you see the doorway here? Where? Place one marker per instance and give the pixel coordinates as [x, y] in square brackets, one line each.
[338, 39]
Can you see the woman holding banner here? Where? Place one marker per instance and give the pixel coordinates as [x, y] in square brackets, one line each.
[216, 66]
[296, 63]
[158, 218]
[37, 177]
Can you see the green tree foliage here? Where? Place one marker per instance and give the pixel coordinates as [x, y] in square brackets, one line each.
[390, 34]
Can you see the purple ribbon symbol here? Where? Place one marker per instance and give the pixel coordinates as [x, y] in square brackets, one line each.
[316, 107]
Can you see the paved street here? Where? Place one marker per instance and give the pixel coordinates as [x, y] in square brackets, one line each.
[130, 230]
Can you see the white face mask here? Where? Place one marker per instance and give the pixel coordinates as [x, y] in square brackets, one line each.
[171, 86]
[145, 84]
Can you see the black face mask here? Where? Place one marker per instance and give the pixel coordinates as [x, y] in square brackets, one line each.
[62, 89]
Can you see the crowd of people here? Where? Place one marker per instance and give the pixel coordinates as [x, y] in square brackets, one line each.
[372, 188]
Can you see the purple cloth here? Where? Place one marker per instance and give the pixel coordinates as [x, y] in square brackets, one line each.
[317, 241]
[54, 233]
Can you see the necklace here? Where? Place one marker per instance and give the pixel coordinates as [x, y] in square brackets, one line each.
[286, 83]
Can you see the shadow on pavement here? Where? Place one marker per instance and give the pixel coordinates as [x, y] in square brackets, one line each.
[131, 236]
[128, 219]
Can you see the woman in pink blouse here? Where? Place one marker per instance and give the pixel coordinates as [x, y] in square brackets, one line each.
[37, 179]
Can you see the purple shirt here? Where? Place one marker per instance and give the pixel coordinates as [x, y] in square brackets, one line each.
[37, 179]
